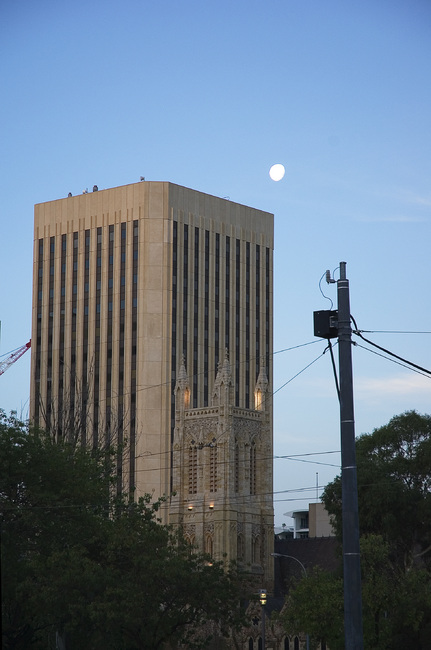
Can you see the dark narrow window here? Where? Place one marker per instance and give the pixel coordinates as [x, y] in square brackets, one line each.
[60, 414]
[217, 301]
[267, 311]
[97, 342]
[109, 327]
[49, 396]
[125, 230]
[206, 314]
[195, 317]
[174, 321]
[237, 316]
[227, 295]
[257, 351]
[247, 326]
[132, 477]
[37, 348]
[185, 285]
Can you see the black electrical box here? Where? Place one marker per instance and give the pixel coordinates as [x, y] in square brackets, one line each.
[326, 324]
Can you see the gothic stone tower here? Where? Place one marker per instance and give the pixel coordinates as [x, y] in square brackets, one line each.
[222, 473]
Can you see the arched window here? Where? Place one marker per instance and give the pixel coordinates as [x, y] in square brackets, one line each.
[209, 545]
[258, 399]
[260, 643]
[296, 643]
[286, 644]
[250, 644]
[255, 549]
[190, 538]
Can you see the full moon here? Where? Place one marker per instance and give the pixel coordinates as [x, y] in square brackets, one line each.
[277, 172]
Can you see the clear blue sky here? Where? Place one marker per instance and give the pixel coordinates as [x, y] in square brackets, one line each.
[209, 95]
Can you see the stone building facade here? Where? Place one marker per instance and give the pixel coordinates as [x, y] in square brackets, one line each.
[222, 474]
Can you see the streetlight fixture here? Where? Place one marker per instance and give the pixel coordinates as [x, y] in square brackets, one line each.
[291, 557]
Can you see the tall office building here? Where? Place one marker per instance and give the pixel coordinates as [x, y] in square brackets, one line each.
[152, 323]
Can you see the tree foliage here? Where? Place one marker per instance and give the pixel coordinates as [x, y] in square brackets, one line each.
[394, 481]
[314, 606]
[99, 571]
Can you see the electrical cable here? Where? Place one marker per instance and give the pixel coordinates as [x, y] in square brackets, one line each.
[295, 347]
[337, 386]
[403, 365]
[379, 347]
[299, 373]
[395, 332]
[321, 291]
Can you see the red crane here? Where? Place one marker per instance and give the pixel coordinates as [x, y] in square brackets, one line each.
[17, 354]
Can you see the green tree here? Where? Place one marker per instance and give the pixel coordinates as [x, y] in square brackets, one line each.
[51, 497]
[315, 606]
[394, 486]
[98, 570]
[394, 480]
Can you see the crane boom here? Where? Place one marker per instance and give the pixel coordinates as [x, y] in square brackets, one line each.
[4, 365]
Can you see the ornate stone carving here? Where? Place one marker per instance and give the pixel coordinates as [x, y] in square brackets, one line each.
[209, 528]
[189, 530]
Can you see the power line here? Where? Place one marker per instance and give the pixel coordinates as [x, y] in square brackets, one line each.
[300, 372]
[394, 332]
[392, 354]
[403, 365]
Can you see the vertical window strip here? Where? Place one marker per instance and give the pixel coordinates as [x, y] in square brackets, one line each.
[195, 318]
[185, 286]
[84, 382]
[85, 388]
[119, 424]
[97, 340]
[174, 321]
[237, 316]
[132, 458]
[217, 301]
[227, 296]
[37, 395]
[109, 342]
[49, 395]
[267, 311]
[60, 417]
[72, 385]
[257, 351]
[206, 315]
[247, 326]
